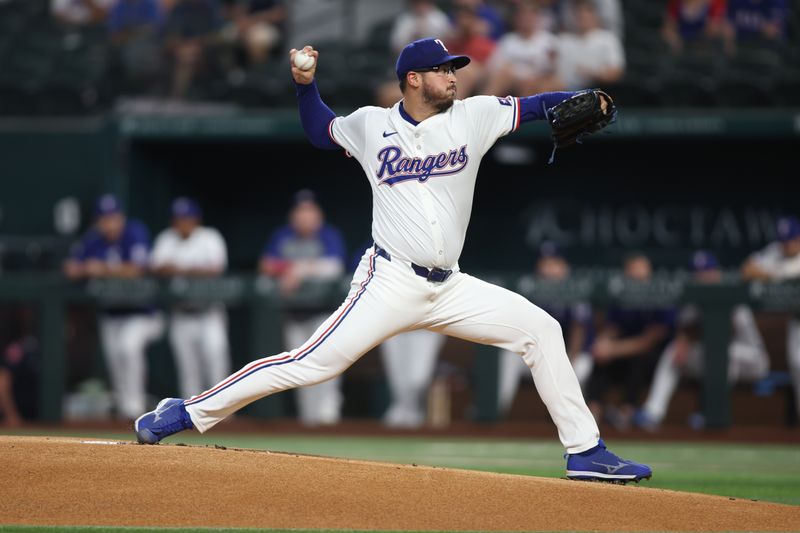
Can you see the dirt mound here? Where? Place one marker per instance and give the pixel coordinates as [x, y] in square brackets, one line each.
[60, 481]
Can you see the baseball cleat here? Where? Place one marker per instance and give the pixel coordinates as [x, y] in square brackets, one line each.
[599, 464]
[167, 418]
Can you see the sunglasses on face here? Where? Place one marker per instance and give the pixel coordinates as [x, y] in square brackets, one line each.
[441, 69]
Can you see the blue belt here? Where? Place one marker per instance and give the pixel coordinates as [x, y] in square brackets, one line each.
[431, 274]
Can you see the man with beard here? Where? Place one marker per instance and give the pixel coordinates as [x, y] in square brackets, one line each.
[421, 159]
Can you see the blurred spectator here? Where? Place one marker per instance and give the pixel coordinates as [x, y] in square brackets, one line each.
[780, 261]
[626, 348]
[489, 22]
[80, 12]
[422, 19]
[19, 367]
[189, 35]
[755, 22]
[591, 56]
[255, 28]
[8, 404]
[550, 13]
[467, 38]
[198, 330]
[134, 27]
[307, 249]
[693, 23]
[747, 356]
[608, 11]
[117, 247]
[524, 61]
[576, 325]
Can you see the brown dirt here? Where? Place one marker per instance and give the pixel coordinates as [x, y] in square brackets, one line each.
[61, 481]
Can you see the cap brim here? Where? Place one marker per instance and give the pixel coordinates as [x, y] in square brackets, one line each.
[458, 61]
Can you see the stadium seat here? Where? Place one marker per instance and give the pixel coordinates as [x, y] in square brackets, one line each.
[743, 92]
[685, 91]
[761, 63]
[786, 91]
[635, 92]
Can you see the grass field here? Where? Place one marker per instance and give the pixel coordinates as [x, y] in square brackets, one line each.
[749, 471]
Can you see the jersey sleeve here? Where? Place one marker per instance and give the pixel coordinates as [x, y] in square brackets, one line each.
[161, 251]
[82, 249]
[491, 117]
[350, 132]
[334, 243]
[138, 246]
[217, 250]
[272, 250]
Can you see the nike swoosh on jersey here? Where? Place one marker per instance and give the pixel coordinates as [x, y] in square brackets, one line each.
[389, 134]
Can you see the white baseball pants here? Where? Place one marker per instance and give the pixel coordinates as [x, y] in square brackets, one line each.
[409, 361]
[386, 298]
[746, 362]
[319, 404]
[200, 346]
[512, 369]
[124, 340]
[793, 356]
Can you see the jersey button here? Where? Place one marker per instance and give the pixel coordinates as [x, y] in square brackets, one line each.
[441, 252]
[416, 135]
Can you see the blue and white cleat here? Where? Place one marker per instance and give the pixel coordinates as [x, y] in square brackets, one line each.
[169, 417]
[599, 464]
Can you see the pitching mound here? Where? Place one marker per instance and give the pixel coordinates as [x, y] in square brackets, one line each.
[60, 481]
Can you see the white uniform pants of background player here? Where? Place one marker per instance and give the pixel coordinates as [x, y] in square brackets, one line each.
[319, 404]
[409, 360]
[386, 298]
[793, 356]
[200, 344]
[125, 338]
[512, 369]
[746, 362]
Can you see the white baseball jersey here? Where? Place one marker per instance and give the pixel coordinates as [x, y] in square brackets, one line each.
[424, 225]
[599, 49]
[204, 248]
[530, 57]
[198, 335]
[772, 260]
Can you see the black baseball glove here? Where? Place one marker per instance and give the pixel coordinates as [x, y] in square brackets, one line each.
[580, 115]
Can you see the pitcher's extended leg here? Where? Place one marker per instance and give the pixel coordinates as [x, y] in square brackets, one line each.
[475, 310]
[363, 320]
[472, 309]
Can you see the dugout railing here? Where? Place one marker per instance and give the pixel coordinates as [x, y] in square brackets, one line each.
[51, 295]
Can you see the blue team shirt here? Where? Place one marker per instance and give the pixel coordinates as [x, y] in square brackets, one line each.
[128, 14]
[631, 322]
[748, 16]
[133, 246]
[567, 315]
[285, 243]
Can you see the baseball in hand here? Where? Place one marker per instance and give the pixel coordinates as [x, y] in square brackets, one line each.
[303, 61]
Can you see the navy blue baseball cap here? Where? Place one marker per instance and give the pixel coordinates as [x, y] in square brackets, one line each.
[426, 53]
[108, 204]
[185, 207]
[304, 195]
[549, 249]
[788, 228]
[703, 261]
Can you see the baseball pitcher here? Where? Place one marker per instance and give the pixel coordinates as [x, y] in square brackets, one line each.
[420, 158]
